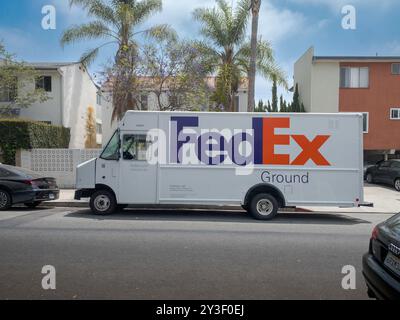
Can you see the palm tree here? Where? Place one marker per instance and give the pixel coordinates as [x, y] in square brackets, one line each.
[255, 9]
[116, 22]
[227, 51]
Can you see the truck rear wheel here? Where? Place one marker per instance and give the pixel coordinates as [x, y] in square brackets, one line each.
[263, 206]
[103, 202]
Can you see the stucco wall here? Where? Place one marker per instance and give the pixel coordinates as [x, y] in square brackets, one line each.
[302, 76]
[318, 83]
[49, 110]
[325, 87]
[79, 93]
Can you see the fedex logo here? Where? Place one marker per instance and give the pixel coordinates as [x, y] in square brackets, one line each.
[191, 145]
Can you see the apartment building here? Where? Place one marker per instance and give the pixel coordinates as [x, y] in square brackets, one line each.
[71, 92]
[369, 85]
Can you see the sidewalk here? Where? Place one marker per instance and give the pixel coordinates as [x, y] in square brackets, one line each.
[385, 200]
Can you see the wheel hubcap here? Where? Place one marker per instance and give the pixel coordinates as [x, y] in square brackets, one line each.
[102, 203]
[3, 199]
[265, 207]
[397, 185]
[369, 178]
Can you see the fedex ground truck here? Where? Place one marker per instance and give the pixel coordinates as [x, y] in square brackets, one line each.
[260, 161]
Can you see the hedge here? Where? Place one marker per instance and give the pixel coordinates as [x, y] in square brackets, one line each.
[18, 134]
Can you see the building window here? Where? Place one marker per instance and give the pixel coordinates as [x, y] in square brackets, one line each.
[365, 122]
[354, 77]
[98, 98]
[9, 93]
[144, 102]
[396, 68]
[395, 114]
[44, 83]
[99, 128]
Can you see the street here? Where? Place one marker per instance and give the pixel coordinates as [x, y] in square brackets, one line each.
[178, 254]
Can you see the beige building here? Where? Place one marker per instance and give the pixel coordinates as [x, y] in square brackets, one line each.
[318, 80]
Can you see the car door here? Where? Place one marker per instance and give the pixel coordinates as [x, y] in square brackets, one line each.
[393, 172]
[138, 175]
[382, 172]
[107, 165]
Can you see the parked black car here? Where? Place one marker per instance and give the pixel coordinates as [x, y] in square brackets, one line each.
[18, 185]
[386, 172]
[381, 265]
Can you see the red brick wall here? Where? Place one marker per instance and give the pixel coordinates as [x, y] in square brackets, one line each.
[383, 93]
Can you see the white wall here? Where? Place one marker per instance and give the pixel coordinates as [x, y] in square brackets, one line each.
[325, 87]
[318, 83]
[79, 93]
[49, 110]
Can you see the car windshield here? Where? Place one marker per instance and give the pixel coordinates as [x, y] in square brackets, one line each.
[111, 151]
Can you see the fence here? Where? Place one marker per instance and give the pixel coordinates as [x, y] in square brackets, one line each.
[58, 163]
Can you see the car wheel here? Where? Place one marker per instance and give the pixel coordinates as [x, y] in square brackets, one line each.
[5, 200]
[397, 184]
[32, 204]
[263, 206]
[103, 202]
[369, 178]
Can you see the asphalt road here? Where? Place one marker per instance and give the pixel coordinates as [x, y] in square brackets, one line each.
[166, 254]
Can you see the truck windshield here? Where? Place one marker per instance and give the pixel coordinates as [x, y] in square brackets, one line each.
[111, 151]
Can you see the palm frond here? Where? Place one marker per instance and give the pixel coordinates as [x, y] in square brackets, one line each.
[161, 32]
[91, 30]
[212, 27]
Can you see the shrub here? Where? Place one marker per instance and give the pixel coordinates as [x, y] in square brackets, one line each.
[25, 134]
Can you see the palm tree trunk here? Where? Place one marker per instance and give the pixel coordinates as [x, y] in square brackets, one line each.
[255, 8]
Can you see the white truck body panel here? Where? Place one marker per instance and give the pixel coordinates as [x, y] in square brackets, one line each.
[312, 159]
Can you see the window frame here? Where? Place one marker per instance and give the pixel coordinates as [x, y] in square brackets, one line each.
[41, 84]
[367, 128]
[117, 132]
[148, 144]
[392, 69]
[342, 84]
[391, 114]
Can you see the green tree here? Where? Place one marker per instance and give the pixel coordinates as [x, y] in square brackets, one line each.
[282, 104]
[227, 52]
[296, 105]
[269, 108]
[274, 96]
[17, 84]
[175, 74]
[261, 107]
[117, 22]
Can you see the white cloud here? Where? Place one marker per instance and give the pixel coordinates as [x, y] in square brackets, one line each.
[336, 5]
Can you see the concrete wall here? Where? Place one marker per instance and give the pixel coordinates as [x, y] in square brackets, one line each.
[49, 110]
[318, 83]
[79, 93]
[325, 87]
[302, 77]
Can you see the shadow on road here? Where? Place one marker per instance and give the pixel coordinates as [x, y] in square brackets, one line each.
[219, 216]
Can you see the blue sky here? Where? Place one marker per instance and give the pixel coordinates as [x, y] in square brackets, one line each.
[291, 25]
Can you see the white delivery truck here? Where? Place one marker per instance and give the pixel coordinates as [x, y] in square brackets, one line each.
[261, 161]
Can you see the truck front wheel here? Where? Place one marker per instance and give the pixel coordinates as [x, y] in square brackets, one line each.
[263, 206]
[103, 202]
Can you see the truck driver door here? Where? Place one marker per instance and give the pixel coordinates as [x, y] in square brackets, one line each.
[137, 183]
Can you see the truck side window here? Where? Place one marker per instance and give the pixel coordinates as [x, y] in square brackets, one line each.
[134, 147]
[111, 151]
